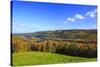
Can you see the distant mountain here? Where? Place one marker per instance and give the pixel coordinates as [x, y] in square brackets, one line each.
[65, 34]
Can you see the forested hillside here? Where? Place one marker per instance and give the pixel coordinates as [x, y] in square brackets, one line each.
[64, 34]
[69, 42]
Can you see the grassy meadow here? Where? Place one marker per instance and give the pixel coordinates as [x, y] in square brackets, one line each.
[38, 58]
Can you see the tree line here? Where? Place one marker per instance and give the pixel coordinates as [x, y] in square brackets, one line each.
[60, 46]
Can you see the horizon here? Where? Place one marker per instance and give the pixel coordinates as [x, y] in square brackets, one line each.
[40, 16]
[52, 30]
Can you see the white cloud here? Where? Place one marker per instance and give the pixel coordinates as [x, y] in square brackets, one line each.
[89, 14]
[74, 18]
[92, 13]
[70, 19]
[79, 16]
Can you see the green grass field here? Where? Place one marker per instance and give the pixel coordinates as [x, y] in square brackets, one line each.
[38, 58]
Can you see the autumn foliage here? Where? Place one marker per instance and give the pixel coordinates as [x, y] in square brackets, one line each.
[62, 46]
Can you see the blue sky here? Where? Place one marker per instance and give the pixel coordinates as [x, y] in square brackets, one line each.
[37, 16]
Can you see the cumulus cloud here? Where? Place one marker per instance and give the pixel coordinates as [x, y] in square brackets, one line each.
[92, 13]
[75, 17]
[70, 19]
[79, 16]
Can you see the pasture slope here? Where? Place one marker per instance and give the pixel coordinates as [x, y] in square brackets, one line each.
[39, 58]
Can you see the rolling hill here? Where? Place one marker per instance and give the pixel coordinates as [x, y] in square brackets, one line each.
[64, 34]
